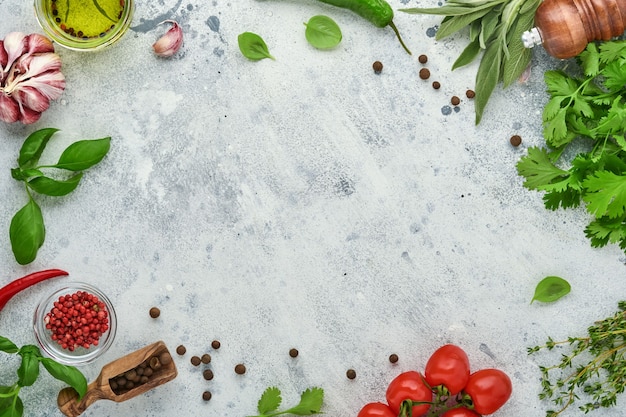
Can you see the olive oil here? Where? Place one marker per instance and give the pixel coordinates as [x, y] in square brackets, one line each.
[86, 19]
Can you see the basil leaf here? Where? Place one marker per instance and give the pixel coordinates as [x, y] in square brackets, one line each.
[12, 410]
[28, 372]
[487, 77]
[550, 289]
[83, 154]
[52, 187]
[7, 346]
[253, 47]
[68, 374]
[322, 32]
[27, 232]
[34, 145]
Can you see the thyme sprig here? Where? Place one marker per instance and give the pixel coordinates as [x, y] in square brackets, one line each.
[594, 367]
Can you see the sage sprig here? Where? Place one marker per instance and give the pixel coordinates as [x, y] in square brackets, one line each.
[495, 28]
[11, 404]
[27, 231]
[589, 368]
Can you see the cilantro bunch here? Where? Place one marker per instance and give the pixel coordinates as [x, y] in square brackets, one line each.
[585, 111]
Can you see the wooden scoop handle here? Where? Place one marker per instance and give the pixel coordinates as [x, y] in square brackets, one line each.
[68, 400]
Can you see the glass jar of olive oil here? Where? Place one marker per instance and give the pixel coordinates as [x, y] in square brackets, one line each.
[84, 25]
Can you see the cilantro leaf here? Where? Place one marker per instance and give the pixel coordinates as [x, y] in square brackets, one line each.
[590, 60]
[604, 230]
[538, 169]
[269, 401]
[606, 194]
[614, 76]
[560, 84]
[613, 51]
[310, 403]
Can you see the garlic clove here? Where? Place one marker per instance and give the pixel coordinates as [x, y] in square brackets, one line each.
[50, 84]
[9, 109]
[34, 99]
[4, 58]
[38, 44]
[170, 42]
[15, 46]
[28, 116]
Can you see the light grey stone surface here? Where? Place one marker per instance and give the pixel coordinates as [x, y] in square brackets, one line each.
[303, 202]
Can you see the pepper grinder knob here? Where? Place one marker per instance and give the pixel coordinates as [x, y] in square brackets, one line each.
[531, 38]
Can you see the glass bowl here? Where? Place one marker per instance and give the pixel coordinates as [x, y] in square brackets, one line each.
[48, 307]
[84, 25]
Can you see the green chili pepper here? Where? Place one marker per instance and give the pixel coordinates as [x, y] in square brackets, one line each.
[378, 12]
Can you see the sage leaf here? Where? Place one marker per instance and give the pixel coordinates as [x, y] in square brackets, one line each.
[456, 23]
[49, 186]
[83, 154]
[550, 289]
[487, 77]
[322, 32]
[33, 146]
[68, 374]
[7, 346]
[253, 47]
[28, 372]
[27, 232]
[468, 55]
[519, 56]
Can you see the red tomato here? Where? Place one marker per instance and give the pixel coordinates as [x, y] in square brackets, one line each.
[460, 412]
[489, 390]
[448, 366]
[409, 386]
[376, 410]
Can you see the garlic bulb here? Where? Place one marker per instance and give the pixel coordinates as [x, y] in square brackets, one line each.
[30, 77]
[171, 42]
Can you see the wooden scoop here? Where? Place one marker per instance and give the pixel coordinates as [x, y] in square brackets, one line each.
[157, 358]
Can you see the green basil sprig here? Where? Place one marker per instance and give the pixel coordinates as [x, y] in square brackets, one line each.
[495, 27]
[10, 403]
[27, 231]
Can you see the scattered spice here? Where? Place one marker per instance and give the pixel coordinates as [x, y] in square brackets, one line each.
[422, 59]
[181, 350]
[424, 73]
[436, 85]
[293, 352]
[470, 94]
[155, 312]
[455, 100]
[378, 67]
[351, 373]
[139, 375]
[516, 140]
[195, 360]
[240, 369]
[207, 374]
[206, 358]
[206, 395]
[215, 344]
[393, 358]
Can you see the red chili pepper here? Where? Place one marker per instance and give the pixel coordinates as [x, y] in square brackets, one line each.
[8, 291]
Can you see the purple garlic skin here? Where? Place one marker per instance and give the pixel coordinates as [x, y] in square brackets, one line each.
[30, 77]
[170, 42]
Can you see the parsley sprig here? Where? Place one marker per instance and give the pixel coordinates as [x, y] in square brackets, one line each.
[11, 404]
[594, 367]
[310, 403]
[588, 106]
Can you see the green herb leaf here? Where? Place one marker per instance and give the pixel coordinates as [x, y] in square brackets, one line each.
[468, 55]
[538, 170]
[83, 154]
[269, 401]
[13, 409]
[606, 194]
[52, 187]
[33, 147]
[322, 32]
[253, 47]
[551, 289]
[68, 374]
[28, 372]
[27, 232]
[310, 403]
[456, 23]
[487, 77]
[7, 346]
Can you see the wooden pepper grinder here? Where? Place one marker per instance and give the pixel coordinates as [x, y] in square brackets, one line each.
[565, 27]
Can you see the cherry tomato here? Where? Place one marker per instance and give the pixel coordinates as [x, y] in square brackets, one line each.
[489, 390]
[448, 366]
[409, 385]
[376, 410]
[460, 412]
